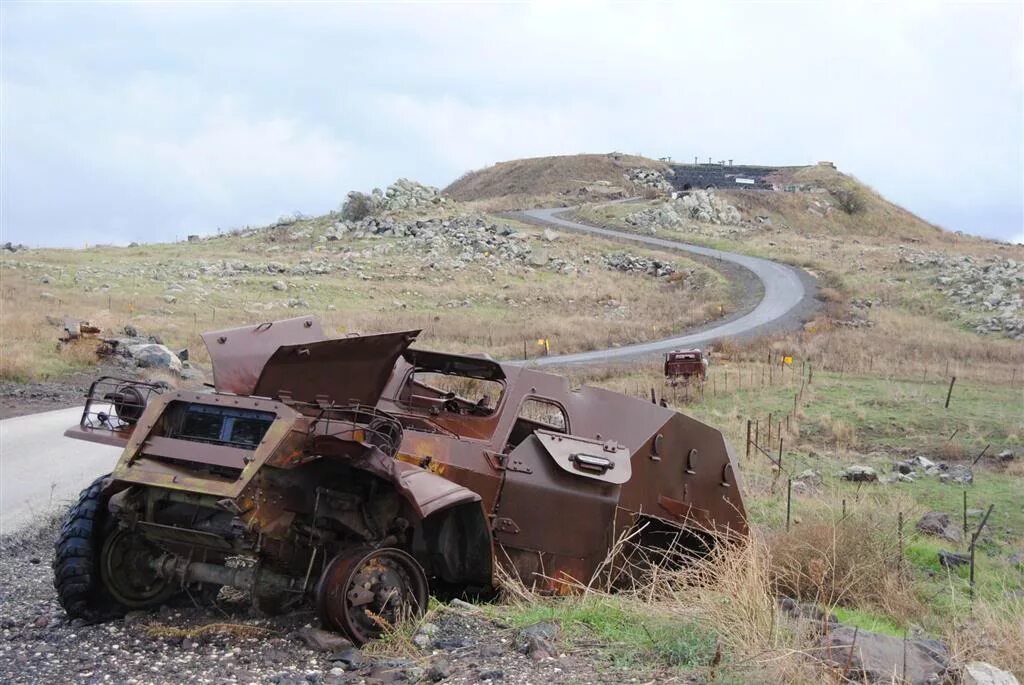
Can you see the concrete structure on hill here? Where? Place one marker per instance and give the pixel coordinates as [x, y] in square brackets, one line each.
[694, 176]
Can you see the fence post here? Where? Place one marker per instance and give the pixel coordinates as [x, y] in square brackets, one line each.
[965, 513]
[950, 392]
[748, 446]
[789, 501]
[974, 540]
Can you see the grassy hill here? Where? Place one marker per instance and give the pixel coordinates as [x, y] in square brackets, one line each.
[527, 182]
[469, 287]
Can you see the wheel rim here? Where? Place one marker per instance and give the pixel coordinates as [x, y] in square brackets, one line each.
[366, 593]
[127, 571]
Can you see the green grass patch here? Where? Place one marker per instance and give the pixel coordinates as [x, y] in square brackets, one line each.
[866, 620]
[628, 635]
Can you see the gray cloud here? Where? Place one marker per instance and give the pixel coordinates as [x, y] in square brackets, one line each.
[128, 122]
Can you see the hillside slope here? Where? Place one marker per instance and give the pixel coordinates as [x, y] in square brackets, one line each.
[549, 177]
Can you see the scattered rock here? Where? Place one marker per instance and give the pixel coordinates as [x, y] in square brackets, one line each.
[538, 640]
[320, 640]
[154, 356]
[490, 674]
[810, 477]
[649, 178]
[350, 657]
[1005, 456]
[538, 258]
[938, 524]
[857, 473]
[424, 637]
[805, 610]
[988, 290]
[280, 286]
[630, 263]
[903, 467]
[439, 669]
[981, 673]
[951, 559]
[879, 658]
[959, 474]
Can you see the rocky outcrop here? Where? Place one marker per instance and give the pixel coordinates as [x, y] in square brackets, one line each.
[698, 206]
[873, 658]
[650, 179]
[981, 673]
[401, 195]
[406, 194]
[989, 290]
[630, 263]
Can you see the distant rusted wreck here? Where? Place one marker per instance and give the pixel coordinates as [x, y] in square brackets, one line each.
[362, 474]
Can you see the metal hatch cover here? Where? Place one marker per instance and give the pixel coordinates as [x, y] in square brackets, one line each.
[604, 461]
[238, 354]
[341, 370]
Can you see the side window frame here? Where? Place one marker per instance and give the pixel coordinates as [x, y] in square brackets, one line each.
[544, 400]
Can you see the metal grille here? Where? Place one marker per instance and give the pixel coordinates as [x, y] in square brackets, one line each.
[116, 404]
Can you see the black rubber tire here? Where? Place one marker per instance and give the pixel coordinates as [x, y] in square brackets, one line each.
[76, 568]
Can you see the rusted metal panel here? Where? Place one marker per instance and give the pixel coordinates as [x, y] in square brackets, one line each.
[607, 461]
[202, 453]
[429, 492]
[239, 354]
[554, 511]
[342, 371]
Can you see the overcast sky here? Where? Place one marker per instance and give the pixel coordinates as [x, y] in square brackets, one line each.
[126, 122]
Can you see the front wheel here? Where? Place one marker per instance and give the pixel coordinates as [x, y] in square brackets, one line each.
[76, 559]
[100, 571]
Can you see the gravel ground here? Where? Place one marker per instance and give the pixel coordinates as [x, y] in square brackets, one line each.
[20, 399]
[38, 644]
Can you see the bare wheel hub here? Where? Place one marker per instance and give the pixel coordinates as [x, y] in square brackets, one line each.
[366, 593]
[128, 573]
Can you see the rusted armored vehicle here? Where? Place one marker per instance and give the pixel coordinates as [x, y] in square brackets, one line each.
[362, 474]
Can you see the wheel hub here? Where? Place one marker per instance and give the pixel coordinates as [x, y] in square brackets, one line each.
[128, 573]
[366, 593]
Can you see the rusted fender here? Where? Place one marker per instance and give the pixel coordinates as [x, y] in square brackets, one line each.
[428, 492]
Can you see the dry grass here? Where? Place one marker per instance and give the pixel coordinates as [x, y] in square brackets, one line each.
[853, 561]
[372, 289]
[547, 176]
[156, 630]
[992, 632]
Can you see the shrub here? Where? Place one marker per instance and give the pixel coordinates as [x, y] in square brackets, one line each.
[850, 199]
[357, 206]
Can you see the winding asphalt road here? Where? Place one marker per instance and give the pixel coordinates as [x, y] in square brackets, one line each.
[787, 295]
[41, 470]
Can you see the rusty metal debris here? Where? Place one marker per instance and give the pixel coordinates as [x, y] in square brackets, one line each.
[358, 472]
[74, 330]
[683, 365]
